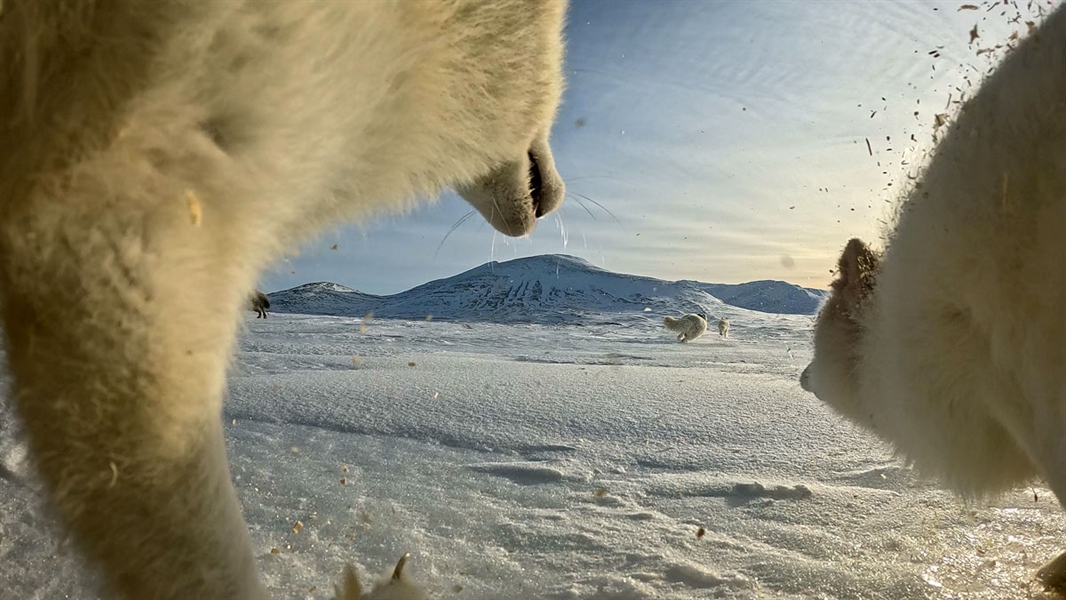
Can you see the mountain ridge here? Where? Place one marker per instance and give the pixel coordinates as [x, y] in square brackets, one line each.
[548, 288]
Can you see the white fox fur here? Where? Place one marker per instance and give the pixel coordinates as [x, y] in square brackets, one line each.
[156, 156]
[952, 345]
[723, 327]
[395, 585]
[689, 327]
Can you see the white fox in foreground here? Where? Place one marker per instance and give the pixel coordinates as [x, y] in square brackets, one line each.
[157, 155]
[952, 345]
[689, 327]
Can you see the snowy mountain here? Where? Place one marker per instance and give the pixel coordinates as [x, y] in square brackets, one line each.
[767, 296]
[324, 298]
[551, 288]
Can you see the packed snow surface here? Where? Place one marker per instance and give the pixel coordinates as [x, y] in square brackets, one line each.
[565, 461]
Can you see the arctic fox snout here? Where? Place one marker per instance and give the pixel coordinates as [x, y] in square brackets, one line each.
[517, 193]
[804, 383]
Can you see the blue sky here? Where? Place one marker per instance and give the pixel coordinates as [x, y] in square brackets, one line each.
[717, 141]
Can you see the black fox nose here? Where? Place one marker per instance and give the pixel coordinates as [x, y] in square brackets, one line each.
[536, 185]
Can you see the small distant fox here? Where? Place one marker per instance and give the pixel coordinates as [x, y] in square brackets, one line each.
[723, 328]
[690, 326]
[259, 302]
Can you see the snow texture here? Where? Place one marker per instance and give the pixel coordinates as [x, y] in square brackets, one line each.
[568, 461]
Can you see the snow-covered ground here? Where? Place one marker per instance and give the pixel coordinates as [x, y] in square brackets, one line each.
[564, 461]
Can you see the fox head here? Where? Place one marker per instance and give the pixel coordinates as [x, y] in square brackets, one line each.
[831, 375]
[520, 184]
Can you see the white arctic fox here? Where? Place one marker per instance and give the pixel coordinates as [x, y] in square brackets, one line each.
[952, 345]
[156, 156]
[689, 327]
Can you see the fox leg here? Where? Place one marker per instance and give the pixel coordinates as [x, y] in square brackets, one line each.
[121, 295]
